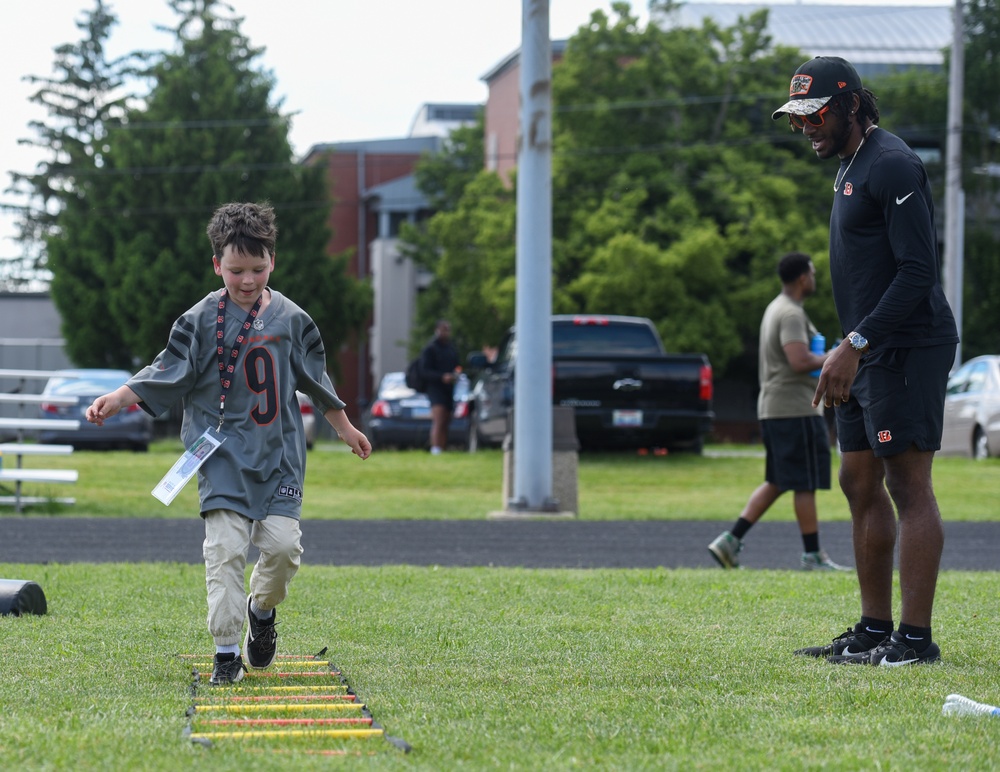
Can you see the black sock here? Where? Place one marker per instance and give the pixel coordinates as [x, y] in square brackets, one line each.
[740, 528]
[810, 542]
[876, 628]
[918, 638]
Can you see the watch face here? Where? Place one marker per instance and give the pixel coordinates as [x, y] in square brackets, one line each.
[858, 341]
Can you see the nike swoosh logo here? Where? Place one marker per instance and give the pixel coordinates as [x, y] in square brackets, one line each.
[900, 663]
[848, 653]
[877, 632]
[901, 200]
[911, 638]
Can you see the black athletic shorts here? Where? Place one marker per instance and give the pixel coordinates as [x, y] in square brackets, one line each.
[897, 400]
[798, 453]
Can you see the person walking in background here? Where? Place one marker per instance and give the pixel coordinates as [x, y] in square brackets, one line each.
[440, 369]
[234, 360]
[796, 441]
[887, 378]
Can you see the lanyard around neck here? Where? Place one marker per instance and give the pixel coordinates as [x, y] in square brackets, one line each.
[226, 369]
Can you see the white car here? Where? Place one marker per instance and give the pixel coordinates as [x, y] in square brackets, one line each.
[308, 418]
[972, 410]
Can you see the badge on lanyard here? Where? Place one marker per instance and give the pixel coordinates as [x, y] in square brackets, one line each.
[187, 466]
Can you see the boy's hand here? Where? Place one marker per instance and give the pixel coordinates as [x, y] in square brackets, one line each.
[103, 408]
[360, 445]
[109, 404]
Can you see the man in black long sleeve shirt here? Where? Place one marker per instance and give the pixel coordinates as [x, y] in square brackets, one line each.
[887, 379]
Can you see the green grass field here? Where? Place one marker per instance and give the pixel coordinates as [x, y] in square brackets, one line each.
[504, 668]
[507, 669]
[461, 486]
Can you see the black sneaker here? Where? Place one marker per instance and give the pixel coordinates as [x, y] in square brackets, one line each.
[897, 652]
[849, 645]
[227, 669]
[261, 642]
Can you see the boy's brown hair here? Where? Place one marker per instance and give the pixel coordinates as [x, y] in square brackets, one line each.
[248, 227]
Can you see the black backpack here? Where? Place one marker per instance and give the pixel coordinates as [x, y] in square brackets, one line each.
[415, 376]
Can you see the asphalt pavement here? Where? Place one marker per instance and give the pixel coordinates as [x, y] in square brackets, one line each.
[531, 543]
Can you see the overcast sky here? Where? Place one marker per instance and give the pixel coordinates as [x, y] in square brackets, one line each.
[347, 69]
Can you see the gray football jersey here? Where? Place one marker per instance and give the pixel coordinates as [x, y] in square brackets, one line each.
[259, 469]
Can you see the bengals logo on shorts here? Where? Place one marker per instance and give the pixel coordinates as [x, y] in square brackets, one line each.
[885, 436]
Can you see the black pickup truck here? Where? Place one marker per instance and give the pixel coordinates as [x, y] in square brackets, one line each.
[626, 390]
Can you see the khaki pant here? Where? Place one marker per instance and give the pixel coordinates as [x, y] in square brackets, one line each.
[228, 536]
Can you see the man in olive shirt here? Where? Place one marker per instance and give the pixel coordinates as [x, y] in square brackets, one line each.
[794, 431]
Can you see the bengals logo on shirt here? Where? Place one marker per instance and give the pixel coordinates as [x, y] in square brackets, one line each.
[848, 189]
[885, 436]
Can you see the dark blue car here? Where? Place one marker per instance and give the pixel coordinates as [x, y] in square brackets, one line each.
[132, 428]
[400, 417]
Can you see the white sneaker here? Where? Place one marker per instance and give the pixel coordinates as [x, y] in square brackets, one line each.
[820, 561]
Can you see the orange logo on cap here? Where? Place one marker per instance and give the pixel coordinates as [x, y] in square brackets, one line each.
[800, 85]
[841, 84]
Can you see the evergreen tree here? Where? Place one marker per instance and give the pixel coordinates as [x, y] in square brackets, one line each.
[209, 133]
[133, 184]
[85, 101]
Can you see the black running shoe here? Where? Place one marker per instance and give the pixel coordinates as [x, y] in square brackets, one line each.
[227, 669]
[897, 652]
[853, 643]
[261, 642]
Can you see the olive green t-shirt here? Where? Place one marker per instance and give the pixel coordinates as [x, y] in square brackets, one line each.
[784, 393]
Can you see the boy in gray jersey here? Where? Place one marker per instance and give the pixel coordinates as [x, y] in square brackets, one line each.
[235, 360]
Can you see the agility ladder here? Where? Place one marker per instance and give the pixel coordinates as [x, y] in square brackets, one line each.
[299, 698]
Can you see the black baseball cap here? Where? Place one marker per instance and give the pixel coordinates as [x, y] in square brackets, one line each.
[815, 82]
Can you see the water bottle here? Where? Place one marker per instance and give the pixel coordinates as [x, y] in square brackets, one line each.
[817, 346]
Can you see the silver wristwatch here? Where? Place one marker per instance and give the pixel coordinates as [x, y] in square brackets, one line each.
[858, 342]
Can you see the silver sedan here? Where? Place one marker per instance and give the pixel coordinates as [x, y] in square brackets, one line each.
[972, 409]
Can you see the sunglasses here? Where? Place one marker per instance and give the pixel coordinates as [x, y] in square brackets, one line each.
[815, 119]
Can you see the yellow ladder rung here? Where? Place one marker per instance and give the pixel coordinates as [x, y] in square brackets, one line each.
[288, 733]
[239, 688]
[280, 708]
[284, 662]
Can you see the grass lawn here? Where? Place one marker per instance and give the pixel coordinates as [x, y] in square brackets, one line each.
[506, 669]
[483, 668]
[416, 485]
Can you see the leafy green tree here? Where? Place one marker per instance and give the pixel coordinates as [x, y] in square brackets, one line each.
[128, 247]
[981, 179]
[915, 105]
[680, 193]
[209, 133]
[85, 101]
[674, 193]
[443, 178]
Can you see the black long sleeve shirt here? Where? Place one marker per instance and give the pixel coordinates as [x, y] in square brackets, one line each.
[884, 261]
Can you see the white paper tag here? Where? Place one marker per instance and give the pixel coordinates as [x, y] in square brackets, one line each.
[187, 466]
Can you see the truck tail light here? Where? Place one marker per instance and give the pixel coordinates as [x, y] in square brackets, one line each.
[705, 383]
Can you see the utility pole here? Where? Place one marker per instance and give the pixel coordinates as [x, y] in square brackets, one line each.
[954, 202]
[532, 489]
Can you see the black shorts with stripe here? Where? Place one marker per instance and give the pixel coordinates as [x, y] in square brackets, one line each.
[897, 400]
